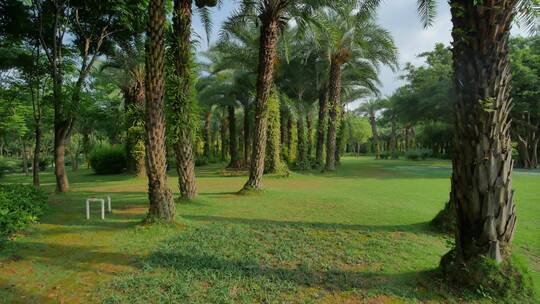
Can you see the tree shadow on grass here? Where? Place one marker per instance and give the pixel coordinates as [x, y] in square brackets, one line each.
[417, 285]
[423, 227]
[70, 257]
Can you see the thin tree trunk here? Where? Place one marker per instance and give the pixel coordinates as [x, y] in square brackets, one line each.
[393, 139]
[24, 157]
[482, 164]
[161, 202]
[340, 134]
[37, 153]
[321, 127]
[335, 101]
[233, 144]
[309, 137]
[224, 126]
[267, 58]
[376, 140]
[302, 163]
[247, 135]
[182, 103]
[207, 136]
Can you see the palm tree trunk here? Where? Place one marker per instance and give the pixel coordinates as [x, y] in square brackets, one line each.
[182, 104]
[289, 138]
[233, 144]
[224, 126]
[340, 134]
[273, 162]
[321, 127]
[161, 201]
[482, 164]
[335, 101]
[267, 58]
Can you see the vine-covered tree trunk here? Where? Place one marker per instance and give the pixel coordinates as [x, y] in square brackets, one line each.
[273, 162]
[233, 143]
[482, 163]
[134, 106]
[321, 126]
[265, 79]
[161, 201]
[289, 138]
[182, 101]
[340, 134]
[334, 92]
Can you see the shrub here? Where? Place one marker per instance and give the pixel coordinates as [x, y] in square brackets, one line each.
[20, 205]
[105, 159]
[385, 155]
[418, 154]
[45, 162]
[9, 165]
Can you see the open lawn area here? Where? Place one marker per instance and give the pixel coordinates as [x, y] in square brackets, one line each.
[355, 236]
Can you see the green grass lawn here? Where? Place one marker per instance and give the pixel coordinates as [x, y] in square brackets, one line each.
[359, 235]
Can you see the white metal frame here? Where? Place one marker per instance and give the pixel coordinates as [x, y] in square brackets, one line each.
[102, 201]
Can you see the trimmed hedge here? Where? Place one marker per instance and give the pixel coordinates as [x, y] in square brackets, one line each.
[418, 154]
[107, 159]
[20, 205]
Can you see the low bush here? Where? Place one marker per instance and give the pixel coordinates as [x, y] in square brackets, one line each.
[8, 164]
[418, 154]
[20, 205]
[45, 162]
[105, 159]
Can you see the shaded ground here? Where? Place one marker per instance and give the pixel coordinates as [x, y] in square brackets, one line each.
[359, 235]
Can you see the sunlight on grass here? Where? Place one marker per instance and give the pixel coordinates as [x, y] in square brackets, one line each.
[360, 234]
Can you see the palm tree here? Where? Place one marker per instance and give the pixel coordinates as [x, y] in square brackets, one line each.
[182, 97]
[482, 193]
[349, 36]
[161, 201]
[126, 62]
[370, 108]
[273, 16]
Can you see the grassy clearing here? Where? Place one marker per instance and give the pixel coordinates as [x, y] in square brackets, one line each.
[359, 235]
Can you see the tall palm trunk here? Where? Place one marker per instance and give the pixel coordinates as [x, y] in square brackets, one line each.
[161, 201]
[273, 162]
[482, 164]
[290, 155]
[265, 79]
[321, 126]
[182, 101]
[309, 136]
[340, 133]
[233, 143]
[223, 134]
[334, 92]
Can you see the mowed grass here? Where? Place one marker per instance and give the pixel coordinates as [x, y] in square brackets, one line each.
[355, 236]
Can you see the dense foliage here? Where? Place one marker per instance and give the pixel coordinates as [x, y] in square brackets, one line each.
[20, 205]
[106, 159]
